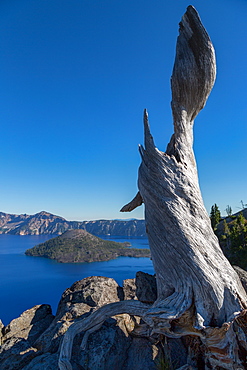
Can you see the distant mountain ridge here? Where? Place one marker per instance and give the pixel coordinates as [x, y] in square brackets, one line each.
[46, 223]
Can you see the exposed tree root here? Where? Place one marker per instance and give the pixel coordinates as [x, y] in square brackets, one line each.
[226, 346]
[93, 322]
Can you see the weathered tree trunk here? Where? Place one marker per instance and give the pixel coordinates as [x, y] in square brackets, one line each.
[199, 293]
[189, 264]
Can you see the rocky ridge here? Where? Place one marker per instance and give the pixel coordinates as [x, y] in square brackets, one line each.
[47, 223]
[31, 341]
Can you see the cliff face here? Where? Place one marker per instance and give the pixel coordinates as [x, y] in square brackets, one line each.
[116, 227]
[40, 223]
[47, 223]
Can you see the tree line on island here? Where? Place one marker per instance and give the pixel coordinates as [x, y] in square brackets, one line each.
[232, 233]
[80, 246]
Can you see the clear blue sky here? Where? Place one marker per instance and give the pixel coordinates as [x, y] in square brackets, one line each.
[75, 76]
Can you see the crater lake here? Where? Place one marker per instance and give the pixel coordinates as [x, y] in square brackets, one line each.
[26, 281]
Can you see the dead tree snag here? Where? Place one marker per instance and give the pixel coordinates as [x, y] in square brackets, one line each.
[199, 293]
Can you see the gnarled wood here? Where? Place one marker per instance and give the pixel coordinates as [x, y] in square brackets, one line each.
[94, 322]
[199, 293]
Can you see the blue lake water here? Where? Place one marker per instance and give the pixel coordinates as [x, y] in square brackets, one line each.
[26, 281]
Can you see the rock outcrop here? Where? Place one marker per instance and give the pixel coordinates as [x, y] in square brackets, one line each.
[1, 331]
[47, 223]
[18, 338]
[32, 340]
[31, 324]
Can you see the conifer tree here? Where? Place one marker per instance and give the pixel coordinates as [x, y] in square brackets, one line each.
[226, 230]
[215, 216]
[238, 242]
[225, 239]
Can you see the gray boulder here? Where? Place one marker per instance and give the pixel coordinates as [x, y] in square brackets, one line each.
[143, 355]
[20, 335]
[94, 291]
[143, 288]
[30, 325]
[129, 289]
[15, 353]
[45, 361]
[146, 288]
[107, 348]
[77, 301]
[50, 339]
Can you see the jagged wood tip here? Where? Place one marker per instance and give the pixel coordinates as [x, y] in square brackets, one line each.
[148, 139]
[194, 69]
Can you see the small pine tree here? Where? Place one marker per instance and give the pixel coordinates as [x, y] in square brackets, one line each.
[228, 210]
[241, 221]
[225, 237]
[226, 230]
[215, 216]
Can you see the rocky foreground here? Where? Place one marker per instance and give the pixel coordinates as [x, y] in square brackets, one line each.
[31, 342]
